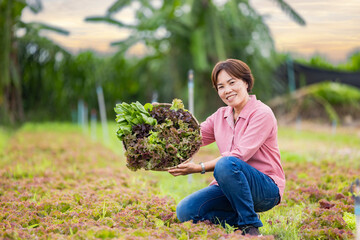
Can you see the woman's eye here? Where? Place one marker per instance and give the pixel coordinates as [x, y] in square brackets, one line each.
[220, 87]
[232, 82]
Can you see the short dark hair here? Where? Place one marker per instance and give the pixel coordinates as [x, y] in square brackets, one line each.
[235, 68]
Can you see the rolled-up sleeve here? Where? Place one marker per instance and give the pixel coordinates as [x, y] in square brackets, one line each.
[207, 131]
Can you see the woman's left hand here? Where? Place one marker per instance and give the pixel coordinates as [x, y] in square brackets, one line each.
[185, 169]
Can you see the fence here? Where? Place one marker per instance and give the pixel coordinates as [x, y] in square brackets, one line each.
[295, 74]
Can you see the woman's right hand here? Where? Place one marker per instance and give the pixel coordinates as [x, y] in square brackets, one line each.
[185, 169]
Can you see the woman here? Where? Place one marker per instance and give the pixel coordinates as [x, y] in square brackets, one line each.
[248, 175]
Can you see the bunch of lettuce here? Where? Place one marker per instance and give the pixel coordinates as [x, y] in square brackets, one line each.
[130, 115]
[157, 137]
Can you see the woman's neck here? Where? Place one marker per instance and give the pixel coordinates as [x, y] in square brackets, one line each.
[237, 110]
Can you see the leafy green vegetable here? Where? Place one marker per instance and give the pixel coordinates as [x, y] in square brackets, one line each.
[177, 104]
[148, 107]
[129, 115]
[173, 139]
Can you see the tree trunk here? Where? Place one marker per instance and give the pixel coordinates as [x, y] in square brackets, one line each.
[10, 80]
[5, 42]
[18, 109]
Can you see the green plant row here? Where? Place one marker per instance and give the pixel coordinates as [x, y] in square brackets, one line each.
[61, 184]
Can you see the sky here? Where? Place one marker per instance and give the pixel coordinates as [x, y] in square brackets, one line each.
[332, 29]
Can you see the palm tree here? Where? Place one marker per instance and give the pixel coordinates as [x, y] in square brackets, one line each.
[180, 35]
[11, 106]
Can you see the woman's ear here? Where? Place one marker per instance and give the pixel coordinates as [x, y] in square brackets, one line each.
[246, 84]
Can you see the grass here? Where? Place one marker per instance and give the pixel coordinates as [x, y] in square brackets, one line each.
[318, 142]
[310, 159]
[4, 137]
[318, 138]
[51, 127]
[282, 222]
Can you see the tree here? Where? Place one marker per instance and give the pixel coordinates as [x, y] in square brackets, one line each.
[192, 34]
[11, 106]
[43, 83]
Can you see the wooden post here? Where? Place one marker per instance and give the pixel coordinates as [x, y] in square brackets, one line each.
[102, 108]
[93, 124]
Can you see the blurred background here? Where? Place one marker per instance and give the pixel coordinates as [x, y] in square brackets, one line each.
[60, 60]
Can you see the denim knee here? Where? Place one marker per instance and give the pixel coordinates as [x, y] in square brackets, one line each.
[224, 168]
[183, 211]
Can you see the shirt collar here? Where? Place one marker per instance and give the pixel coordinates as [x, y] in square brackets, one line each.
[245, 111]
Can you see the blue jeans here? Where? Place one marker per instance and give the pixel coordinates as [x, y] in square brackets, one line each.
[242, 191]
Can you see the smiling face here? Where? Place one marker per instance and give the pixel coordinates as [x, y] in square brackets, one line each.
[232, 91]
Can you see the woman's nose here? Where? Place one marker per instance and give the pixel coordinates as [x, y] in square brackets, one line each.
[227, 89]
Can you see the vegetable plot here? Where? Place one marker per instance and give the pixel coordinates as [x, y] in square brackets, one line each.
[157, 137]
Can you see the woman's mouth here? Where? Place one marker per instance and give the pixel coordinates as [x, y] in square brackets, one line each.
[229, 98]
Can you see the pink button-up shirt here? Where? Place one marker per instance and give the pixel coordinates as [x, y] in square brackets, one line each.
[252, 138]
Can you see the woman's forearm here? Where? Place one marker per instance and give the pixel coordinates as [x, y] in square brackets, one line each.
[210, 165]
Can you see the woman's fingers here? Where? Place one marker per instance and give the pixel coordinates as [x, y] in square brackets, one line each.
[177, 172]
[183, 165]
[183, 169]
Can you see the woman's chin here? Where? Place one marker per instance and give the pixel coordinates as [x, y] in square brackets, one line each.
[231, 103]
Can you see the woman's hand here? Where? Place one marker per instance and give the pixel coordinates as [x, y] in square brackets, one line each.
[185, 169]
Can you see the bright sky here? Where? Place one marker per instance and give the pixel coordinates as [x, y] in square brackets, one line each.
[332, 29]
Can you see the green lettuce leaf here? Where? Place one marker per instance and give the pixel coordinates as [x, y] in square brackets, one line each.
[129, 115]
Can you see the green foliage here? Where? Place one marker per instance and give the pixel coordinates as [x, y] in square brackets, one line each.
[129, 115]
[350, 220]
[318, 61]
[322, 101]
[332, 95]
[337, 93]
[4, 138]
[92, 195]
[354, 63]
[45, 126]
[172, 139]
[106, 234]
[64, 79]
[229, 229]
[11, 66]
[49, 81]
[282, 222]
[292, 157]
[180, 36]
[177, 104]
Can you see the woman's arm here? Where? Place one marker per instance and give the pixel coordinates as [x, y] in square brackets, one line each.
[191, 167]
